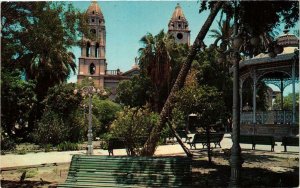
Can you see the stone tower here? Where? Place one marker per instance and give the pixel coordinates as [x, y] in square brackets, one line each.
[92, 62]
[179, 27]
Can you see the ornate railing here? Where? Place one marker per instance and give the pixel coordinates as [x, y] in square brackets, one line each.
[270, 117]
[112, 72]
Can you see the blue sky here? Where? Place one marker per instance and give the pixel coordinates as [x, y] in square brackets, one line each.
[127, 21]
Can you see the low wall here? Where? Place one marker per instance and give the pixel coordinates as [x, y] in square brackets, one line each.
[276, 130]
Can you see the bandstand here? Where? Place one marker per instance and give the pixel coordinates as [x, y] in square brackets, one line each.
[280, 71]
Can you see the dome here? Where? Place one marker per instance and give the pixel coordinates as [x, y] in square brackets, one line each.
[287, 40]
[178, 14]
[94, 8]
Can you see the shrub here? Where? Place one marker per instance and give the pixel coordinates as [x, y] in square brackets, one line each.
[67, 146]
[134, 125]
[47, 147]
[50, 130]
[7, 143]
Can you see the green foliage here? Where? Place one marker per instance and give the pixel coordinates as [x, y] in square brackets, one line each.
[67, 146]
[62, 119]
[287, 102]
[135, 92]
[261, 95]
[61, 99]
[38, 36]
[160, 59]
[7, 143]
[134, 124]
[266, 15]
[178, 119]
[50, 129]
[18, 100]
[105, 111]
[211, 73]
[203, 101]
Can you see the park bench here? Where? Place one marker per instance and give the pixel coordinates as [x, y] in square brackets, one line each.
[289, 141]
[116, 143]
[201, 138]
[258, 140]
[120, 143]
[182, 134]
[124, 171]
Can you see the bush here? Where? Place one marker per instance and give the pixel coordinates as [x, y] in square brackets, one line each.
[134, 125]
[7, 143]
[47, 147]
[67, 146]
[50, 130]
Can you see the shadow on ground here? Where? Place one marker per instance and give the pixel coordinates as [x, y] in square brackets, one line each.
[256, 170]
[25, 184]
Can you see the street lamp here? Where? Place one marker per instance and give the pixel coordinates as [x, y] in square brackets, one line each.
[248, 43]
[90, 91]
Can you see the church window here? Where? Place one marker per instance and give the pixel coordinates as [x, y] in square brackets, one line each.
[179, 25]
[93, 20]
[93, 31]
[92, 68]
[93, 12]
[179, 17]
[88, 46]
[179, 36]
[96, 49]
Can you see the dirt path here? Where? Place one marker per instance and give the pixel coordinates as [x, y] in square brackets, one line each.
[260, 169]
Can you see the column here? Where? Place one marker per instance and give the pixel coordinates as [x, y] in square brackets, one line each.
[254, 97]
[241, 95]
[92, 50]
[235, 157]
[281, 93]
[294, 93]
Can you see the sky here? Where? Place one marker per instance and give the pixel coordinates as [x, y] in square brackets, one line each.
[127, 21]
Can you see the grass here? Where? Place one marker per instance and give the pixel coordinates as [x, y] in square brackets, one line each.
[30, 173]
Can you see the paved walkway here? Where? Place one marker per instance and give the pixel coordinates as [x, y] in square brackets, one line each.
[14, 160]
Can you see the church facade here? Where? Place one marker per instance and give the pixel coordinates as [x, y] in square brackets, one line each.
[92, 62]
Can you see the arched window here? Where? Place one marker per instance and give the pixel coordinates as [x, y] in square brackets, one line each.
[92, 68]
[96, 49]
[93, 31]
[88, 46]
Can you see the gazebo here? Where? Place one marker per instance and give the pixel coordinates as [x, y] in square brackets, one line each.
[280, 71]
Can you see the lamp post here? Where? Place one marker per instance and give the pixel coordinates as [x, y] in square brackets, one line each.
[245, 41]
[90, 91]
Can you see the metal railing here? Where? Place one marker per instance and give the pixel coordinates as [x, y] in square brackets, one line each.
[270, 117]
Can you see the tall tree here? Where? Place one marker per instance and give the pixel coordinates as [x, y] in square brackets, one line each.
[160, 61]
[150, 145]
[37, 38]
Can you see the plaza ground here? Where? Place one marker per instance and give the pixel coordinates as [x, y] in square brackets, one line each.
[260, 167]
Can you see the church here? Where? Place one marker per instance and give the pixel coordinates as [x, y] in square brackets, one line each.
[92, 62]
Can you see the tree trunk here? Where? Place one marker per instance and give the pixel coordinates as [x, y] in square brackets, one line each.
[208, 143]
[150, 145]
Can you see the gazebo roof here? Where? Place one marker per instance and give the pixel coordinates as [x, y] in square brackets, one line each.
[266, 60]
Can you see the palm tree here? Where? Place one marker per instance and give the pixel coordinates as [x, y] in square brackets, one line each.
[156, 61]
[224, 31]
[150, 145]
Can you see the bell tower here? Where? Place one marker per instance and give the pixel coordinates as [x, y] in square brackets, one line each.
[179, 27]
[92, 62]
